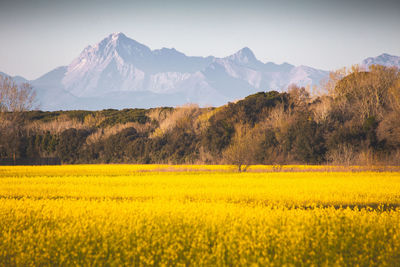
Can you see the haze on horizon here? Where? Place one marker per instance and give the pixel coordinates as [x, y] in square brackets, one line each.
[38, 36]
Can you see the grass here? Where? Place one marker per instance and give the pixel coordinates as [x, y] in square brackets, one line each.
[210, 215]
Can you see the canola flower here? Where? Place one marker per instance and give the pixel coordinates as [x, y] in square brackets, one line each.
[138, 215]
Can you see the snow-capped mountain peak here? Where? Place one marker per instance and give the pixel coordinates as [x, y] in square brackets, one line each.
[244, 56]
[119, 72]
[117, 35]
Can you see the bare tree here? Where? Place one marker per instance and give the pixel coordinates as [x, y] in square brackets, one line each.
[389, 128]
[328, 84]
[365, 94]
[321, 108]
[180, 117]
[299, 96]
[344, 154]
[14, 99]
[242, 150]
[394, 95]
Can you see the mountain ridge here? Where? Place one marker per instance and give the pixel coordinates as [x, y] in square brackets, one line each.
[119, 72]
[384, 59]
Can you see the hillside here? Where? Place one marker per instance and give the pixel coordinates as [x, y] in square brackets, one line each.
[357, 123]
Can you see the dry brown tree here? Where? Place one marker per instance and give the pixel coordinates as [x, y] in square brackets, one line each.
[14, 100]
[242, 150]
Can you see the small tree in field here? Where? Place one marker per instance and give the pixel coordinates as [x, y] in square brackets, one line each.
[242, 150]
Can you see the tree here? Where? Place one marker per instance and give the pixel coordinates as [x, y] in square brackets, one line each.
[14, 99]
[298, 96]
[389, 128]
[70, 144]
[364, 94]
[242, 150]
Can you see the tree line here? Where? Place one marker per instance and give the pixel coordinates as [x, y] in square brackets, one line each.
[356, 121]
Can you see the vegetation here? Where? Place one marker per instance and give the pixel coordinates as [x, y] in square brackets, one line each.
[208, 214]
[354, 123]
[136, 215]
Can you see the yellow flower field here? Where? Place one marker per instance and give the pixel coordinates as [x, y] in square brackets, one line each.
[197, 215]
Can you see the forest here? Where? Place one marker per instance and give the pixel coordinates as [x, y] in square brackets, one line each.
[354, 119]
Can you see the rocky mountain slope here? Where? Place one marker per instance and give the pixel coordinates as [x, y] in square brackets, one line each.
[119, 72]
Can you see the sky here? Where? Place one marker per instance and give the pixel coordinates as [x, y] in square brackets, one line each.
[40, 35]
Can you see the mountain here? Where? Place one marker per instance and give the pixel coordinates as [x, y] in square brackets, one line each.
[119, 72]
[384, 59]
[17, 79]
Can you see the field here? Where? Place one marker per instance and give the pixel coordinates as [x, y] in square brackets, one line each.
[198, 215]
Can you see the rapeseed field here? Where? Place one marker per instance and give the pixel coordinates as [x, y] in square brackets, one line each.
[139, 215]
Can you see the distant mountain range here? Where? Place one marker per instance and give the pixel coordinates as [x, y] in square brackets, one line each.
[120, 72]
[384, 59]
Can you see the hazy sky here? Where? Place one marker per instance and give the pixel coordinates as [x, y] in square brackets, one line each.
[39, 35]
